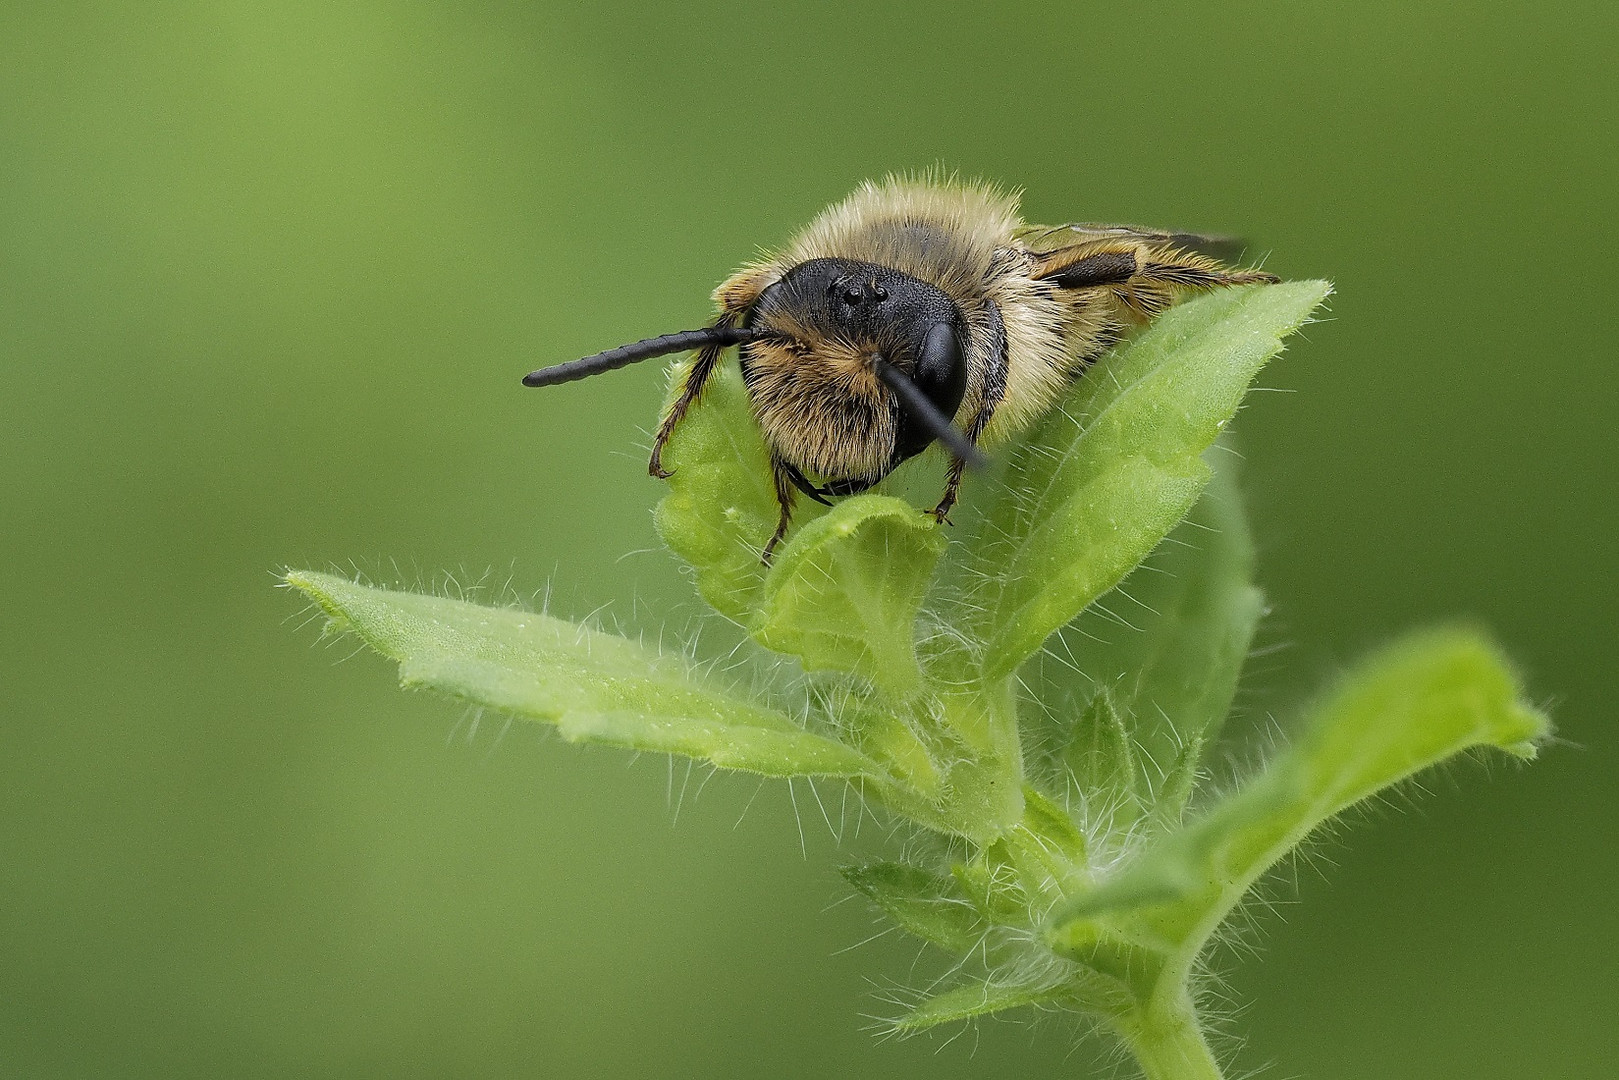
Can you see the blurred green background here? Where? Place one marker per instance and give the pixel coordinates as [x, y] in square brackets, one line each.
[268, 275]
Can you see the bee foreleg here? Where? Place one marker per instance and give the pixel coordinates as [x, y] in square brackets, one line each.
[785, 494]
[702, 368]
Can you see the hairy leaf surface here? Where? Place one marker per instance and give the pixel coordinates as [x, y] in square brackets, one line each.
[928, 905]
[978, 999]
[844, 593]
[594, 686]
[1171, 645]
[1409, 706]
[1099, 761]
[1105, 477]
[720, 509]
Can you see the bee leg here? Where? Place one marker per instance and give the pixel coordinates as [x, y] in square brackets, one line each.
[994, 389]
[785, 494]
[696, 379]
[702, 368]
[735, 296]
[1144, 277]
[1166, 272]
[952, 478]
[952, 489]
[1184, 270]
[1087, 266]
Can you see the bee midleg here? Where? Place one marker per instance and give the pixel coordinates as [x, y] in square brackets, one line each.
[702, 368]
[1189, 270]
[952, 478]
[995, 371]
[786, 492]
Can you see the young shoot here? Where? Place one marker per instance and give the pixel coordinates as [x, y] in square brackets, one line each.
[1081, 863]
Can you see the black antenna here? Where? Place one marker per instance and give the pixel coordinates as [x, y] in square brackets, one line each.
[913, 401]
[684, 341]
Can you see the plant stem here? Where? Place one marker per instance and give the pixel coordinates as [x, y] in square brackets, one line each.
[1169, 1044]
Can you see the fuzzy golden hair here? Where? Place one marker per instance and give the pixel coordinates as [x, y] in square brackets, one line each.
[824, 408]
[946, 234]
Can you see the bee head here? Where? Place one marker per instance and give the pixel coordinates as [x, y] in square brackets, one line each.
[840, 353]
[851, 368]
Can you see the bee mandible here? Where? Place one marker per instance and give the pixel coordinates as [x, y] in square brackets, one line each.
[915, 312]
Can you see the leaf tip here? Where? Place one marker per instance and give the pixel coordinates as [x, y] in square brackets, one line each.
[319, 588]
[1537, 729]
[1304, 296]
[1519, 727]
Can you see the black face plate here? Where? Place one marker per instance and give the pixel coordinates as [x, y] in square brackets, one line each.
[911, 323]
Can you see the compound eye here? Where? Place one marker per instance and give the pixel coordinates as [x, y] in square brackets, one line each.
[941, 374]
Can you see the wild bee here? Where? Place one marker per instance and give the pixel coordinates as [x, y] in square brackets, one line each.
[917, 311]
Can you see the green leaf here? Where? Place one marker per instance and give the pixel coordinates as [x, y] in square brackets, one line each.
[1046, 848]
[594, 686]
[844, 593]
[1105, 477]
[1179, 782]
[978, 999]
[1049, 826]
[720, 509]
[1171, 652]
[991, 882]
[1409, 706]
[1100, 761]
[925, 904]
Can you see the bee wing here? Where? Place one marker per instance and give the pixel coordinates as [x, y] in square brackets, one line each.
[1043, 238]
